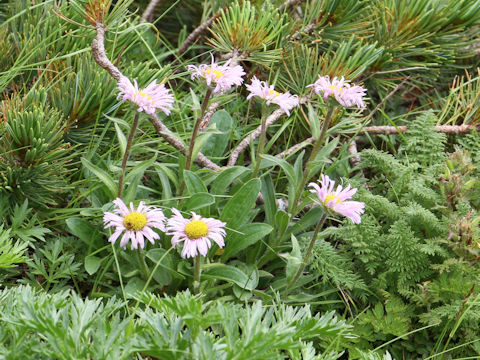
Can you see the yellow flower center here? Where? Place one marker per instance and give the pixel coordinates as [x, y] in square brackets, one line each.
[273, 92]
[218, 74]
[196, 229]
[142, 94]
[332, 87]
[135, 221]
[331, 197]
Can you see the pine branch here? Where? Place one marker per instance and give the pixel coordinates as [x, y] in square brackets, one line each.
[149, 12]
[197, 32]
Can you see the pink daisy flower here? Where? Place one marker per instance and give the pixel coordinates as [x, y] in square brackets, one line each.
[223, 76]
[347, 95]
[335, 200]
[137, 224]
[154, 96]
[195, 233]
[268, 93]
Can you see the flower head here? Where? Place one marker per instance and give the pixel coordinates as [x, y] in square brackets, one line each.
[268, 93]
[335, 199]
[195, 233]
[347, 95]
[223, 76]
[153, 97]
[137, 224]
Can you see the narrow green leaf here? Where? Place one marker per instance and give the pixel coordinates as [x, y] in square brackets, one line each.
[230, 274]
[237, 208]
[286, 167]
[102, 175]
[198, 201]
[294, 259]
[194, 183]
[251, 233]
[122, 140]
[225, 178]
[83, 230]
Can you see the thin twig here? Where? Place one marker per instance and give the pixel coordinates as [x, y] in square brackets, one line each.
[197, 32]
[289, 3]
[127, 153]
[165, 133]
[355, 158]
[306, 30]
[100, 56]
[295, 148]
[149, 12]
[256, 133]
[447, 129]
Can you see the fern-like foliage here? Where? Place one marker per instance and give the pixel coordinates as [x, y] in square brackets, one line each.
[10, 253]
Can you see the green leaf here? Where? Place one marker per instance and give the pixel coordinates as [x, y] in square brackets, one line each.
[251, 233]
[314, 122]
[198, 201]
[134, 286]
[122, 140]
[202, 139]
[92, 263]
[307, 220]
[230, 274]
[83, 230]
[218, 142]
[237, 208]
[165, 271]
[294, 259]
[140, 168]
[102, 175]
[225, 178]
[286, 167]
[194, 183]
[268, 192]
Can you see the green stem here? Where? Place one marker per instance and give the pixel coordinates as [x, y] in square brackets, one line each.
[127, 153]
[120, 278]
[196, 127]
[261, 143]
[143, 264]
[307, 254]
[196, 275]
[316, 147]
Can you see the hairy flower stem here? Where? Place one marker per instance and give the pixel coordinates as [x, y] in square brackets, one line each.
[143, 264]
[196, 275]
[307, 254]
[261, 142]
[196, 127]
[316, 147]
[127, 153]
